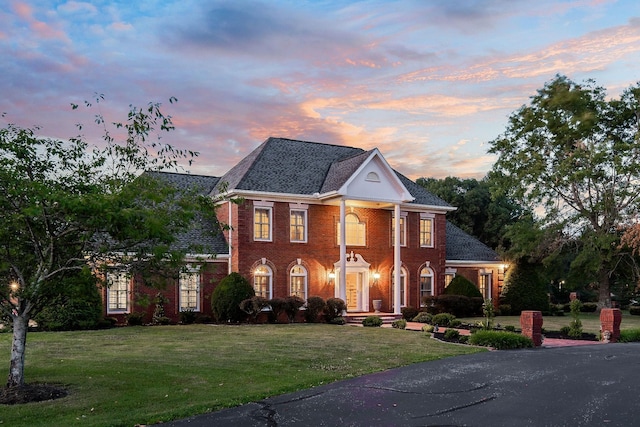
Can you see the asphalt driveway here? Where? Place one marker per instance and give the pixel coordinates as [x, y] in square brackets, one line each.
[594, 385]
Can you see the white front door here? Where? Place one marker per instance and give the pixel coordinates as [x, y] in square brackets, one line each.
[354, 291]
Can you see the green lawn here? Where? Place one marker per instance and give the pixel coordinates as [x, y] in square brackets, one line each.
[590, 321]
[145, 375]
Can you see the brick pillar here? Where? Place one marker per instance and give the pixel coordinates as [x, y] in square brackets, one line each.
[610, 319]
[531, 324]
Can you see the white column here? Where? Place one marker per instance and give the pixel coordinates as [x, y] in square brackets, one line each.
[396, 260]
[342, 280]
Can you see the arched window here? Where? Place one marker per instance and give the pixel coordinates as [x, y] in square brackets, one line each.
[426, 283]
[355, 230]
[262, 281]
[298, 281]
[403, 287]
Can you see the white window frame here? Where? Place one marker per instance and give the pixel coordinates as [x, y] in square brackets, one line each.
[186, 285]
[485, 279]
[263, 207]
[425, 272]
[301, 273]
[298, 209]
[424, 219]
[118, 290]
[356, 231]
[403, 229]
[263, 273]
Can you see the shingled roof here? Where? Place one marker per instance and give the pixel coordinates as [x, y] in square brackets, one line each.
[464, 247]
[288, 166]
[202, 233]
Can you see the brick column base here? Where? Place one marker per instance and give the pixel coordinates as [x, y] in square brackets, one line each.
[531, 324]
[610, 319]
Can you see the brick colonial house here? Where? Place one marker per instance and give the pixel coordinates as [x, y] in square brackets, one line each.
[325, 220]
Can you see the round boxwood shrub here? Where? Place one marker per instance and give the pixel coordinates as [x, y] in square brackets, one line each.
[408, 313]
[423, 317]
[227, 296]
[442, 319]
[335, 307]
[460, 285]
[399, 324]
[451, 334]
[500, 340]
[374, 321]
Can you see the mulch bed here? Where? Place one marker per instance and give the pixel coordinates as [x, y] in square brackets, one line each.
[585, 336]
[30, 393]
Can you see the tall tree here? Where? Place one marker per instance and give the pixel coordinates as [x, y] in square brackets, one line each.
[573, 157]
[65, 204]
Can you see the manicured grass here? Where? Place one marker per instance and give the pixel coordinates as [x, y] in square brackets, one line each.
[590, 321]
[145, 375]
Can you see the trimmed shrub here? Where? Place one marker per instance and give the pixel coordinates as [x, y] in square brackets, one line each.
[589, 307]
[399, 324]
[458, 305]
[500, 340]
[423, 317]
[408, 313]
[315, 306]
[442, 319]
[629, 335]
[292, 304]
[634, 310]
[427, 328]
[339, 320]
[277, 306]
[510, 328]
[455, 323]
[374, 321]
[227, 296]
[451, 334]
[335, 307]
[135, 319]
[460, 285]
[187, 317]
[253, 306]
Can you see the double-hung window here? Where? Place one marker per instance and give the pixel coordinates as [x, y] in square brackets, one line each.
[118, 291]
[190, 291]
[484, 284]
[262, 221]
[426, 230]
[298, 223]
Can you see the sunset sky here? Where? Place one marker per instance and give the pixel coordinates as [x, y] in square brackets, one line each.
[428, 82]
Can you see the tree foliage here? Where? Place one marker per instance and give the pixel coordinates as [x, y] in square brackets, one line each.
[572, 156]
[66, 204]
[460, 285]
[481, 212]
[227, 297]
[525, 288]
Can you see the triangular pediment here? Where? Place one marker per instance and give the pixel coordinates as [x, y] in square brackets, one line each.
[374, 180]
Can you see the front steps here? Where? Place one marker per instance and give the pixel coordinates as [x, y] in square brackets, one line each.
[357, 318]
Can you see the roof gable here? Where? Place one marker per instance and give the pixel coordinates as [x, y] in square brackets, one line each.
[369, 177]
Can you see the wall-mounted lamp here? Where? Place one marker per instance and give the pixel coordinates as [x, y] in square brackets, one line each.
[331, 277]
[376, 277]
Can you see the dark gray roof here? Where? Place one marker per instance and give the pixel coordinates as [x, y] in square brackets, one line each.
[204, 236]
[290, 166]
[464, 247]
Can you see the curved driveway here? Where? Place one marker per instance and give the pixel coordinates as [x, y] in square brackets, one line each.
[596, 385]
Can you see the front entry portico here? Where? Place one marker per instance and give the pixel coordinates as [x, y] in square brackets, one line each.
[357, 283]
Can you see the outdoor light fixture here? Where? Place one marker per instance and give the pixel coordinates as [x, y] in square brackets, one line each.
[376, 277]
[331, 277]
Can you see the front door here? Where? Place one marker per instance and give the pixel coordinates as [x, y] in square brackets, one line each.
[354, 291]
